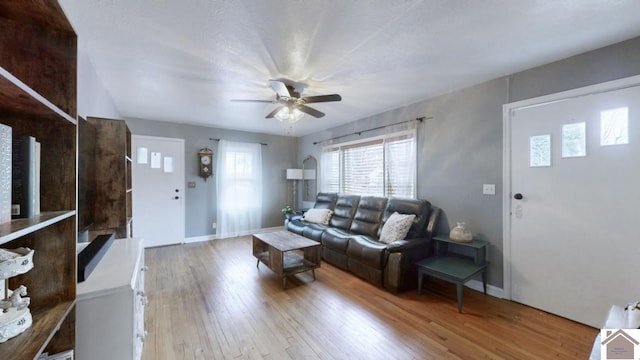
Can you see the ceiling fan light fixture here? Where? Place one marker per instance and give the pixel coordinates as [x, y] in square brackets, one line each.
[290, 115]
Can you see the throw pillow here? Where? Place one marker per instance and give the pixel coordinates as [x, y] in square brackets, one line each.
[318, 216]
[396, 227]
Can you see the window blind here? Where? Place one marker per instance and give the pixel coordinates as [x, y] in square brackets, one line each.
[383, 166]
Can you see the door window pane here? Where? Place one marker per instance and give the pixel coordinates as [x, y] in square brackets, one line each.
[540, 150]
[574, 140]
[614, 126]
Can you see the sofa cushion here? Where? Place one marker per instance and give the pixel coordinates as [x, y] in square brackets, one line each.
[420, 208]
[396, 227]
[344, 210]
[314, 231]
[368, 216]
[366, 251]
[336, 239]
[318, 216]
[325, 201]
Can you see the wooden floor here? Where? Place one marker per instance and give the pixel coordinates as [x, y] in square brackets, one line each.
[209, 301]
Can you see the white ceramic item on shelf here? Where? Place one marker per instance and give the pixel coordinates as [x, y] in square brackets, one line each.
[15, 316]
[460, 233]
[15, 262]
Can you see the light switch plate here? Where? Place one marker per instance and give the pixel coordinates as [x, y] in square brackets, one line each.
[489, 189]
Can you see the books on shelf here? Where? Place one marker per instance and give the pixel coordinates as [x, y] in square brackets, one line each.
[23, 178]
[5, 173]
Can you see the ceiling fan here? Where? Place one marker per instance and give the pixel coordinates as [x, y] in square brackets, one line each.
[291, 105]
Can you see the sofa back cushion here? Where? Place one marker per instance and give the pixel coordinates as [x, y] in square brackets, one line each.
[344, 210]
[420, 208]
[368, 216]
[326, 201]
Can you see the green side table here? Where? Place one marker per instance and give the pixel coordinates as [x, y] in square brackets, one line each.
[455, 267]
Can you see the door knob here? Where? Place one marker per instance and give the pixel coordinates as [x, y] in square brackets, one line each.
[518, 196]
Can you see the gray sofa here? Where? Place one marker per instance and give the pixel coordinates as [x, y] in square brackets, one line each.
[351, 239]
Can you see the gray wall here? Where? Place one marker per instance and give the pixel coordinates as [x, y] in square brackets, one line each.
[200, 202]
[460, 148]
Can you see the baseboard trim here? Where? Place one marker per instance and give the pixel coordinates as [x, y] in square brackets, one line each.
[195, 239]
[491, 290]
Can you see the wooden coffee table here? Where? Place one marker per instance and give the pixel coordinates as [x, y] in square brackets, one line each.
[286, 253]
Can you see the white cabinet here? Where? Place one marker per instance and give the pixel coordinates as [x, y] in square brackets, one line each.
[110, 305]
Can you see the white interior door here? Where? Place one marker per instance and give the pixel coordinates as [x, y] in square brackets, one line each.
[571, 241]
[158, 191]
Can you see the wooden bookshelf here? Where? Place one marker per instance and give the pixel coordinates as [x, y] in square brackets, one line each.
[38, 98]
[112, 186]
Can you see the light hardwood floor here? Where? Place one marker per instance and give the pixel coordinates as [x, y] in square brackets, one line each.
[209, 301]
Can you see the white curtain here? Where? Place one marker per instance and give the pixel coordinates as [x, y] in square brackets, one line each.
[239, 188]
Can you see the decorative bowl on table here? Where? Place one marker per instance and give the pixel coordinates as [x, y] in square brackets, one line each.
[460, 233]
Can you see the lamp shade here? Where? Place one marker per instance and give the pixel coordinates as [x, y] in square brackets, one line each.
[294, 174]
[291, 115]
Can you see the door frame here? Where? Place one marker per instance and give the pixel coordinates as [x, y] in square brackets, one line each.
[182, 220]
[507, 111]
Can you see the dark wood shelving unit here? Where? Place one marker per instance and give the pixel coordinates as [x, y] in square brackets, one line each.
[106, 205]
[38, 51]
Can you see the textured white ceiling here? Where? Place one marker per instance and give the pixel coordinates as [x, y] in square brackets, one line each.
[184, 60]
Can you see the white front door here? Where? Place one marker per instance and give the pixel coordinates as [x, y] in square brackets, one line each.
[158, 190]
[571, 231]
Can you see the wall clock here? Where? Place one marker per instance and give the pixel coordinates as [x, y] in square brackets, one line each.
[205, 160]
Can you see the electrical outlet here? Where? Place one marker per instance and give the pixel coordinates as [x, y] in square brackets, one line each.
[489, 189]
[214, 226]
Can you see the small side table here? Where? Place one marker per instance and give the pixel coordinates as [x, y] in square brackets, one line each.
[454, 267]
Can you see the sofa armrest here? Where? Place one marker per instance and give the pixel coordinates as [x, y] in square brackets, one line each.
[294, 216]
[408, 245]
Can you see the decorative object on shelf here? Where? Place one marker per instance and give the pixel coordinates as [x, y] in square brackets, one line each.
[460, 233]
[15, 317]
[205, 159]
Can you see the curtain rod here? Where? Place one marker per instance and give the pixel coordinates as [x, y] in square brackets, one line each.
[212, 139]
[420, 119]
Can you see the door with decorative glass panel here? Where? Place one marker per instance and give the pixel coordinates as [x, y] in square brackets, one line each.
[571, 221]
[158, 176]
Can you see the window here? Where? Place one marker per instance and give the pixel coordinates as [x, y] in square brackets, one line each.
[382, 166]
[238, 188]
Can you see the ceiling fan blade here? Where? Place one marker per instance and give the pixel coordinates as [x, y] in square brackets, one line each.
[280, 88]
[253, 101]
[311, 111]
[321, 98]
[274, 112]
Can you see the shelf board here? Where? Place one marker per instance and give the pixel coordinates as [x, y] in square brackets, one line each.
[33, 341]
[21, 227]
[18, 97]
